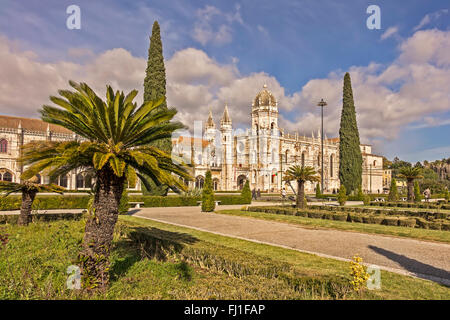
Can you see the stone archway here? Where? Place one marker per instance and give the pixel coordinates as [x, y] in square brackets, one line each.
[6, 175]
[241, 181]
[199, 181]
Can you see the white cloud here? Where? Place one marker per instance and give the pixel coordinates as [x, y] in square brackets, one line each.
[391, 31]
[215, 26]
[428, 18]
[388, 98]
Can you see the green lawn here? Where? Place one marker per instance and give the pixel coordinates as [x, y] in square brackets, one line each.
[416, 233]
[152, 260]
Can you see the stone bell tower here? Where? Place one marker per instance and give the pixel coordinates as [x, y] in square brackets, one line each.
[227, 150]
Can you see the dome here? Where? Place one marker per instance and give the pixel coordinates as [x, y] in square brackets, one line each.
[264, 98]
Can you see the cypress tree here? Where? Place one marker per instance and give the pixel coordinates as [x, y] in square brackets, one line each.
[393, 192]
[155, 88]
[318, 192]
[350, 158]
[208, 203]
[360, 195]
[246, 193]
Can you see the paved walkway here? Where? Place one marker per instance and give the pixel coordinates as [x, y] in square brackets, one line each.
[423, 259]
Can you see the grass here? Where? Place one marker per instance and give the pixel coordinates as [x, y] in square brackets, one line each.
[151, 260]
[415, 233]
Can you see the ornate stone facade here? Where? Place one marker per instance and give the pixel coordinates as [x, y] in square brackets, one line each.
[262, 153]
[15, 132]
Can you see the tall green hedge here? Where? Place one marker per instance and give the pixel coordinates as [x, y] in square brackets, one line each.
[46, 202]
[246, 193]
[81, 202]
[208, 203]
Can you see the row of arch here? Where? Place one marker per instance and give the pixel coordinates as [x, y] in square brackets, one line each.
[3, 146]
[318, 161]
[200, 181]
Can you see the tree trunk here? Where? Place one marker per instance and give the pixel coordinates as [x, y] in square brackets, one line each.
[410, 187]
[25, 209]
[300, 194]
[99, 230]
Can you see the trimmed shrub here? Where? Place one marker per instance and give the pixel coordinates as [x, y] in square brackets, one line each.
[124, 205]
[315, 215]
[407, 222]
[435, 225]
[342, 196]
[390, 221]
[373, 219]
[446, 226]
[208, 203]
[422, 223]
[246, 193]
[354, 217]
[12, 218]
[302, 214]
[340, 217]
[328, 216]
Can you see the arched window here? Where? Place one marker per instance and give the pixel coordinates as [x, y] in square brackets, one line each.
[3, 146]
[287, 156]
[80, 181]
[88, 181]
[374, 163]
[241, 181]
[318, 159]
[63, 181]
[303, 159]
[274, 156]
[7, 176]
[331, 166]
[216, 184]
[199, 181]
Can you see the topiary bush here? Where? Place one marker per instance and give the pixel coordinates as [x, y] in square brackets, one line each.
[246, 193]
[390, 221]
[124, 206]
[407, 222]
[208, 204]
[342, 196]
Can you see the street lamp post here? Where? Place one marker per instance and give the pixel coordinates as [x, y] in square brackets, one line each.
[322, 104]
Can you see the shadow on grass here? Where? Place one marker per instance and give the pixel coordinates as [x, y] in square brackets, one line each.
[151, 243]
[420, 269]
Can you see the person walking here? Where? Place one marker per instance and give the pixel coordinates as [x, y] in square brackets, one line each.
[283, 194]
[254, 194]
[427, 194]
[258, 194]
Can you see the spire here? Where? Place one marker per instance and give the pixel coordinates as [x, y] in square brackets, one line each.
[210, 122]
[226, 117]
[312, 134]
[20, 124]
[318, 134]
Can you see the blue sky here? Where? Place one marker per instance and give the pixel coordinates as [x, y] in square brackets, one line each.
[293, 42]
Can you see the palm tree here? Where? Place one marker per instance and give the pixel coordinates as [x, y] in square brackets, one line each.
[410, 174]
[115, 137]
[29, 188]
[301, 175]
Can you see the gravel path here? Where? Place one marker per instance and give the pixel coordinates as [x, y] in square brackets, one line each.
[423, 259]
